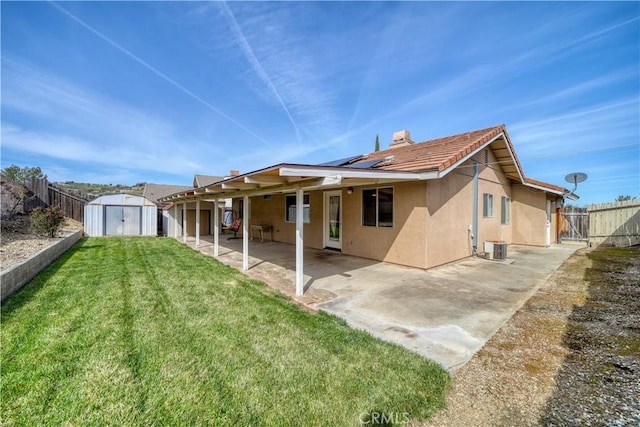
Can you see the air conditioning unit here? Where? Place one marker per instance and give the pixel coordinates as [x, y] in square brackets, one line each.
[495, 250]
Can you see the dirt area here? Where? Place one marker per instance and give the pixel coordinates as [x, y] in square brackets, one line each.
[570, 356]
[17, 243]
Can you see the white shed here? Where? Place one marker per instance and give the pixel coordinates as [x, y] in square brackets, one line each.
[120, 215]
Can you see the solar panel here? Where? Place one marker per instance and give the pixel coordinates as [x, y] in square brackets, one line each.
[340, 162]
[366, 165]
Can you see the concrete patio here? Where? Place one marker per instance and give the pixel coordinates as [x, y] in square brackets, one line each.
[445, 314]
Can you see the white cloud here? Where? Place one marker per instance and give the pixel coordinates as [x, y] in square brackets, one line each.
[160, 74]
[609, 124]
[289, 74]
[127, 155]
[255, 63]
[47, 115]
[544, 48]
[583, 88]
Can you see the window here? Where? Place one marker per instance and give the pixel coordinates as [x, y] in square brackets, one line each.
[505, 210]
[487, 205]
[377, 207]
[290, 208]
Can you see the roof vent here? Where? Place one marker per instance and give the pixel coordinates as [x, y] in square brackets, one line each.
[400, 139]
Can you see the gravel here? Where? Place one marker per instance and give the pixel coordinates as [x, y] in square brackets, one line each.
[17, 243]
[570, 356]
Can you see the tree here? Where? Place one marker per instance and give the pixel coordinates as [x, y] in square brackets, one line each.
[20, 175]
[623, 198]
[14, 182]
[377, 146]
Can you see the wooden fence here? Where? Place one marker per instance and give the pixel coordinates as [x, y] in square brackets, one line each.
[38, 196]
[615, 224]
[573, 224]
[46, 194]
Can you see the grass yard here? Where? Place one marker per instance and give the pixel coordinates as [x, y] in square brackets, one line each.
[144, 331]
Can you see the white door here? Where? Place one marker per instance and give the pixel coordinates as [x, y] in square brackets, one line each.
[548, 236]
[333, 220]
[122, 220]
[131, 221]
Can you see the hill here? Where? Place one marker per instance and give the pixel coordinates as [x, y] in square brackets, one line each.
[97, 190]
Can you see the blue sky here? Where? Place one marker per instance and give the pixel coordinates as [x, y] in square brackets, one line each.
[124, 92]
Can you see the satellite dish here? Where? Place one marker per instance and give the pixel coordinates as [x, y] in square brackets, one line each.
[575, 178]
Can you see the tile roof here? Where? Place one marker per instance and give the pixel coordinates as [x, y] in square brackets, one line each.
[431, 159]
[154, 192]
[441, 153]
[544, 184]
[436, 154]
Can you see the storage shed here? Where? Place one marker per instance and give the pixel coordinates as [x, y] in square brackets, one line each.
[120, 215]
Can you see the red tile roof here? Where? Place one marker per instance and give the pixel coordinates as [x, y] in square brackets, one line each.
[545, 185]
[433, 157]
[441, 153]
[436, 154]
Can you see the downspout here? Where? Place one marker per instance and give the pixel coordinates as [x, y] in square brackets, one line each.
[474, 219]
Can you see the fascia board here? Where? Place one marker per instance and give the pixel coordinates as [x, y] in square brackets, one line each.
[348, 173]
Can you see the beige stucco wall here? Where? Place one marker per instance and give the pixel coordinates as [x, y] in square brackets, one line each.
[431, 218]
[493, 181]
[405, 242]
[450, 205]
[272, 212]
[450, 209]
[206, 218]
[529, 216]
[205, 222]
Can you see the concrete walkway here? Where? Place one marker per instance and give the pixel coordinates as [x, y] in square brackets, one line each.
[445, 314]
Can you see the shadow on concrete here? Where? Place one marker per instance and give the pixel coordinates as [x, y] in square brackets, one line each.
[277, 262]
[445, 314]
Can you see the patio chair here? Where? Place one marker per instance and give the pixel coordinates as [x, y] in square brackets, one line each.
[235, 227]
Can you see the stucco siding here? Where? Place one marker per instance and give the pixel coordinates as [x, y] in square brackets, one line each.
[404, 243]
[431, 219]
[493, 181]
[450, 206]
[206, 219]
[271, 211]
[205, 222]
[450, 210]
[529, 217]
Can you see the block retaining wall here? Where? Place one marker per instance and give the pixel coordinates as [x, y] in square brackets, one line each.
[16, 276]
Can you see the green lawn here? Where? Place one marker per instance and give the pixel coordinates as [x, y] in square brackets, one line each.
[144, 331]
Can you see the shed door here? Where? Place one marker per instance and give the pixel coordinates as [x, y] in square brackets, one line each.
[123, 220]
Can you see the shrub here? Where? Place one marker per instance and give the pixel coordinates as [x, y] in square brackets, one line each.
[47, 221]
